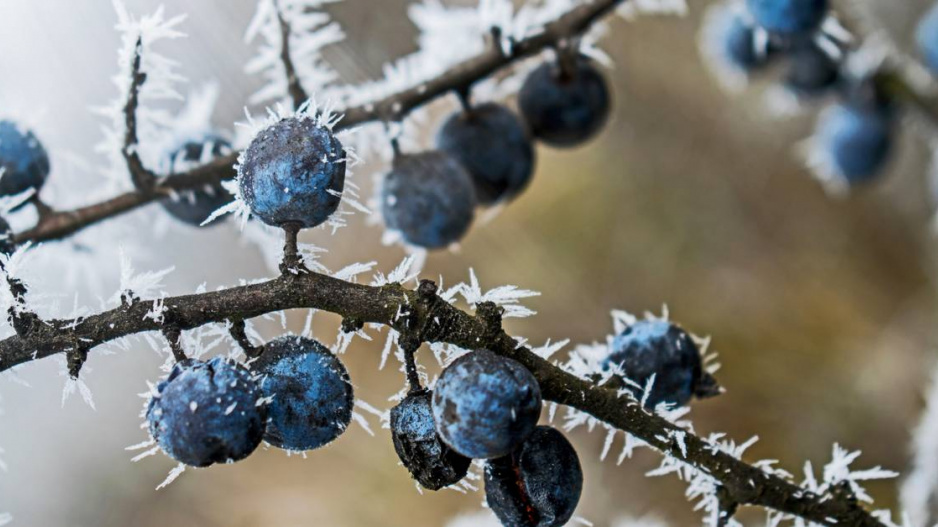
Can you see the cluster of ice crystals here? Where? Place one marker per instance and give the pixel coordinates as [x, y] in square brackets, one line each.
[919, 491]
[138, 35]
[310, 30]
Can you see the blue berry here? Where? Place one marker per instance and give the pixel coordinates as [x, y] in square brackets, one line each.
[926, 36]
[737, 41]
[856, 139]
[811, 70]
[207, 412]
[538, 485]
[788, 17]
[662, 349]
[565, 108]
[293, 173]
[433, 464]
[195, 206]
[493, 146]
[429, 198]
[23, 160]
[485, 405]
[312, 394]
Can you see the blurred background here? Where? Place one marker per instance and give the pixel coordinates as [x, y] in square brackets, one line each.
[822, 309]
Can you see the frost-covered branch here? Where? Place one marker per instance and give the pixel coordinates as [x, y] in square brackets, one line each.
[60, 224]
[427, 317]
[142, 178]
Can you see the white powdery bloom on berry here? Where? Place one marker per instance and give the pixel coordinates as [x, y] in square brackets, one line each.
[310, 31]
[919, 491]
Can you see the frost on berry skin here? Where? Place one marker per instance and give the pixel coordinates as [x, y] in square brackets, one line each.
[855, 139]
[788, 17]
[207, 412]
[494, 147]
[565, 109]
[660, 348]
[538, 485]
[433, 464]
[7, 242]
[312, 393]
[196, 206]
[485, 405]
[811, 70]
[429, 198]
[23, 160]
[737, 41]
[293, 172]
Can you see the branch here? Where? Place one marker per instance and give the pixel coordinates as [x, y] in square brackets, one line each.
[61, 224]
[141, 177]
[438, 322]
[294, 87]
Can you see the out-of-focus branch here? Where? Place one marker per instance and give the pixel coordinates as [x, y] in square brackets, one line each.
[142, 178]
[294, 87]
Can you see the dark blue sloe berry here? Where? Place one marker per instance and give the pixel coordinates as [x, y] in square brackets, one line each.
[207, 412]
[856, 139]
[23, 160]
[926, 37]
[811, 70]
[662, 349]
[429, 198]
[485, 405]
[433, 464]
[565, 108]
[537, 485]
[293, 173]
[493, 146]
[312, 394]
[737, 42]
[7, 241]
[788, 17]
[195, 206]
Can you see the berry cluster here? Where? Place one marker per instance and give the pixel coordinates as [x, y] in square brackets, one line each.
[485, 155]
[854, 138]
[296, 396]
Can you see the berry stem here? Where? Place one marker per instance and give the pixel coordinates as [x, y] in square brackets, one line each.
[173, 335]
[410, 366]
[292, 262]
[238, 332]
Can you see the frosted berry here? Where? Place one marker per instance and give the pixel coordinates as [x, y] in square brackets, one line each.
[293, 173]
[662, 349]
[433, 464]
[493, 146]
[429, 198]
[193, 207]
[537, 485]
[926, 37]
[788, 17]
[23, 160]
[207, 412]
[811, 70]
[312, 394]
[565, 108]
[856, 139]
[485, 405]
[737, 41]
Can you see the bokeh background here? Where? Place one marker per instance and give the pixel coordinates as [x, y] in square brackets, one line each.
[822, 309]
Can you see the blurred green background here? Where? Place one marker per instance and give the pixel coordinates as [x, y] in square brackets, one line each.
[822, 309]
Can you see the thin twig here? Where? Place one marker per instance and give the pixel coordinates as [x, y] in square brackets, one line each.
[294, 87]
[142, 178]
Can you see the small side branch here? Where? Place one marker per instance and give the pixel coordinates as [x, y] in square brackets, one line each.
[294, 87]
[141, 177]
[238, 331]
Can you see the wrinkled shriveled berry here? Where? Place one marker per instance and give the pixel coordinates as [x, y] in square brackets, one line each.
[538, 485]
[433, 464]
